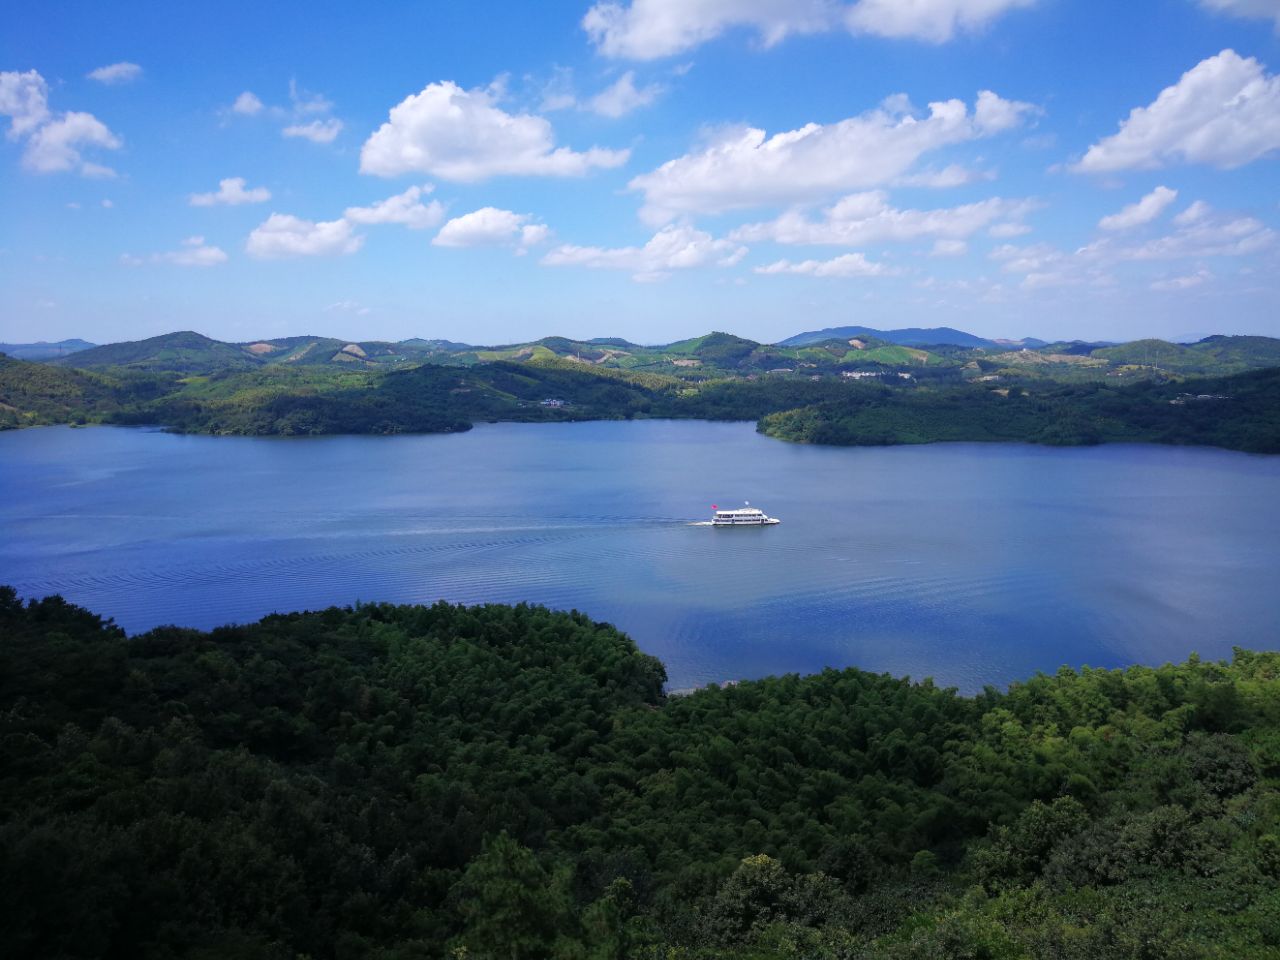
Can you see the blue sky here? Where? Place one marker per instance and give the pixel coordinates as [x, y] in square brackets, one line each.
[653, 169]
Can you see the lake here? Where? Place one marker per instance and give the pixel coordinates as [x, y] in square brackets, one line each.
[973, 564]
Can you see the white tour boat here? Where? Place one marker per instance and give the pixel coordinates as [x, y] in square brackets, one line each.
[745, 516]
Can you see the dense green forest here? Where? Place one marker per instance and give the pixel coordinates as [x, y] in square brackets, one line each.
[509, 782]
[1241, 412]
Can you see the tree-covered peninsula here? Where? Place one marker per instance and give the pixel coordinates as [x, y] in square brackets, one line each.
[510, 782]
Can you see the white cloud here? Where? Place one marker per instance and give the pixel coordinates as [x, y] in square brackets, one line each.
[232, 192]
[1257, 9]
[950, 248]
[1206, 235]
[53, 142]
[304, 102]
[1003, 231]
[648, 29]
[194, 253]
[491, 227]
[1200, 237]
[56, 146]
[1224, 112]
[558, 92]
[622, 96]
[282, 235]
[248, 104]
[1197, 211]
[849, 265]
[116, 73]
[24, 100]
[1144, 211]
[463, 135]
[317, 131]
[865, 218]
[406, 208]
[1030, 259]
[1185, 282]
[935, 21]
[744, 168]
[952, 175]
[95, 171]
[674, 247]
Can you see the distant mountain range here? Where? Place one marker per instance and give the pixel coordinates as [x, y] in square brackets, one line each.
[906, 337]
[838, 349]
[42, 350]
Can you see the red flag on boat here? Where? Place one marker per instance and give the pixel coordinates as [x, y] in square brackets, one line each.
[714, 507]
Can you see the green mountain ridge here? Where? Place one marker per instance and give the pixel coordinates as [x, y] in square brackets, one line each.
[831, 391]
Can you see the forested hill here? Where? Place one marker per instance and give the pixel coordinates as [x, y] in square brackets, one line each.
[1240, 413]
[508, 782]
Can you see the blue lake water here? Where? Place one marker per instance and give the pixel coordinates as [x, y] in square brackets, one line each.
[973, 564]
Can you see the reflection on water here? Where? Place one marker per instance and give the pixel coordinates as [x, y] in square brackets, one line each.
[971, 564]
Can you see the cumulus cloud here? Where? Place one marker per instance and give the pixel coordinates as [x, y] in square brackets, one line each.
[1144, 211]
[116, 73]
[1196, 211]
[1207, 235]
[55, 147]
[491, 227]
[1203, 236]
[463, 135]
[623, 96]
[935, 21]
[745, 168]
[674, 247]
[306, 117]
[53, 142]
[24, 99]
[317, 131]
[1251, 9]
[406, 208]
[193, 253]
[232, 192]
[1223, 112]
[849, 265]
[648, 29]
[282, 236]
[864, 218]
[1043, 265]
[247, 104]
